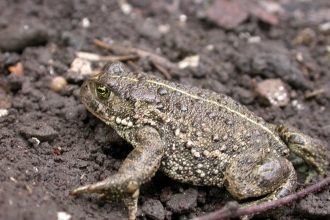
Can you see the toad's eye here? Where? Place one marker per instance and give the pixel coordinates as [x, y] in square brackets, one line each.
[102, 91]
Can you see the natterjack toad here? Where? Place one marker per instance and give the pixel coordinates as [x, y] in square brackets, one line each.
[194, 136]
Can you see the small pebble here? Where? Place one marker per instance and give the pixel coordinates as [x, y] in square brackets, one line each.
[154, 209]
[3, 112]
[40, 131]
[58, 83]
[272, 92]
[226, 14]
[183, 202]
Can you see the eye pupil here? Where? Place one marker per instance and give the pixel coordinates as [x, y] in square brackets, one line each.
[103, 92]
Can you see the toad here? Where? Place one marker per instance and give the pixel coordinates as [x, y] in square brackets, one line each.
[194, 136]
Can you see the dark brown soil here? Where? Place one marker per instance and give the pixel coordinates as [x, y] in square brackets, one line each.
[74, 146]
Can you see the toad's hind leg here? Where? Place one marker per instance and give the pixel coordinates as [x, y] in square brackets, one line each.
[257, 175]
[139, 166]
[311, 150]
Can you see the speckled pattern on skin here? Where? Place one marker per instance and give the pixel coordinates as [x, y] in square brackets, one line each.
[194, 136]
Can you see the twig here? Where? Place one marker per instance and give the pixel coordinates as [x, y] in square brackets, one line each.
[96, 57]
[156, 60]
[232, 209]
[314, 93]
[162, 70]
[326, 127]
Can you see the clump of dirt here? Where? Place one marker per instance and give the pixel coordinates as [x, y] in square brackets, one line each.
[50, 144]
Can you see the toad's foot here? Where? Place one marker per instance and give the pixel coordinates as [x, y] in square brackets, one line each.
[139, 166]
[259, 174]
[118, 186]
[311, 150]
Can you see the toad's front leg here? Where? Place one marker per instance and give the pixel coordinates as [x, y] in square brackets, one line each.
[139, 166]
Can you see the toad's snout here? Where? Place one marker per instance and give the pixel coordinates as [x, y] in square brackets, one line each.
[87, 96]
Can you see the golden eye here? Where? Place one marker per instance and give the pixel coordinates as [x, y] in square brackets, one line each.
[102, 91]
